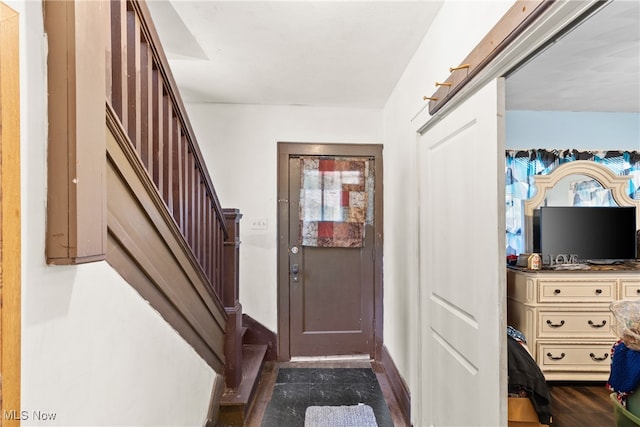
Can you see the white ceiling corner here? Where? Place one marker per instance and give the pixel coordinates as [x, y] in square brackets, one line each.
[594, 67]
[352, 53]
[330, 53]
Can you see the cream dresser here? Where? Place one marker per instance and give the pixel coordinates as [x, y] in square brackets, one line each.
[566, 319]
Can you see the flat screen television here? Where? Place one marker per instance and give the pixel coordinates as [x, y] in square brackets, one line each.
[592, 233]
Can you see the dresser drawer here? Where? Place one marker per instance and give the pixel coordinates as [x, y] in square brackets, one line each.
[580, 324]
[630, 289]
[574, 357]
[570, 291]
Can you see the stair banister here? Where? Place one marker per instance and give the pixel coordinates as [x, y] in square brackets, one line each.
[231, 300]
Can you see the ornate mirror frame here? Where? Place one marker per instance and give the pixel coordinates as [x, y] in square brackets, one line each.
[616, 183]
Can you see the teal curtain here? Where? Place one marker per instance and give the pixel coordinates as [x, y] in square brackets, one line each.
[523, 166]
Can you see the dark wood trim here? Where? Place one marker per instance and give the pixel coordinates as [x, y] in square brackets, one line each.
[236, 404]
[398, 386]
[148, 250]
[150, 34]
[10, 215]
[124, 156]
[231, 291]
[76, 194]
[233, 347]
[378, 253]
[118, 71]
[214, 402]
[284, 351]
[133, 107]
[230, 298]
[145, 98]
[290, 149]
[258, 334]
[517, 19]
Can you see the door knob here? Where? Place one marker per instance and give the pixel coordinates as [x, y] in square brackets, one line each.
[294, 269]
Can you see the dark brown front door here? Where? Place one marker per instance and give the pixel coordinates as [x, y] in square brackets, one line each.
[330, 297]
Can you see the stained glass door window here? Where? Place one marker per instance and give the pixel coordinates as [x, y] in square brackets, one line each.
[336, 201]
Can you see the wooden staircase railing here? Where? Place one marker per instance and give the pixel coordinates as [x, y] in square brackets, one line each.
[231, 301]
[127, 184]
[145, 98]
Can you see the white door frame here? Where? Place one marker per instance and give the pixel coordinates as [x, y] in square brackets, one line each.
[553, 21]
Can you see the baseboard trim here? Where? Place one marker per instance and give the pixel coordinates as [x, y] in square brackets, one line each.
[214, 403]
[259, 334]
[397, 384]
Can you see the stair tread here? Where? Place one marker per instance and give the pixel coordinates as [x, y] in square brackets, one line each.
[252, 361]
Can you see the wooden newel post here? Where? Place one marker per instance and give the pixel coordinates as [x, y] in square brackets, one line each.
[231, 300]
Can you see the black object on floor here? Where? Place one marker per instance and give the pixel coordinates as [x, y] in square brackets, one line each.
[297, 388]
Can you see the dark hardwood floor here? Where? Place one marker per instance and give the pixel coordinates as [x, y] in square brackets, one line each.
[581, 404]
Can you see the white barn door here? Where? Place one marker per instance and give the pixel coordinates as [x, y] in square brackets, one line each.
[462, 264]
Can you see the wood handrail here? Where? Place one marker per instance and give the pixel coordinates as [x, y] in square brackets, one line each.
[143, 93]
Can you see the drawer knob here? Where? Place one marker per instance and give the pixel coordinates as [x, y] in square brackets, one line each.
[598, 291]
[597, 325]
[638, 291]
[552, 357]
[556, 291]
[556, 325]
[598, 359]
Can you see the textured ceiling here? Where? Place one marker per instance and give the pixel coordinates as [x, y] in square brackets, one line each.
[333, 53]
[594, 67]
[352, 53]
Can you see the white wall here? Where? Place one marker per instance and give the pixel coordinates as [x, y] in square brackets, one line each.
[457, 29]
[239, 144]
[93, 351]
[569, 129]
[248, 134]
